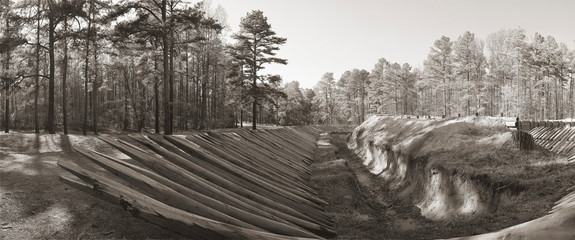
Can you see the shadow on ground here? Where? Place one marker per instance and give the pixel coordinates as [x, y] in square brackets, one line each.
[34, 204]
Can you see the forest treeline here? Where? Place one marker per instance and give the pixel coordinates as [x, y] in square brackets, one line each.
[507, 74]
[161, 65]
[168, 65]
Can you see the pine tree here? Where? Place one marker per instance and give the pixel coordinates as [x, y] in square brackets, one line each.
[439, 70]
[9, 41]
[257, 45]
[468, 64]
[325, 97]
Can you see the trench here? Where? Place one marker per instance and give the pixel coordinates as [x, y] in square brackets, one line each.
[388, 192]
[405, 205]
[360, 207]
[439, 193]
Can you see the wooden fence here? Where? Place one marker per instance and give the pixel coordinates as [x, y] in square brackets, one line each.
[556, 136]
[529, 125]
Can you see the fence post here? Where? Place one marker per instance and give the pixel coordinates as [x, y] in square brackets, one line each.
[518, 126]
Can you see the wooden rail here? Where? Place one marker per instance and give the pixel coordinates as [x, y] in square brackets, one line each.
[557, 136]
[529, 125]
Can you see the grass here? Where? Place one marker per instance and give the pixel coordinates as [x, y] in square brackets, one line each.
[478, 149]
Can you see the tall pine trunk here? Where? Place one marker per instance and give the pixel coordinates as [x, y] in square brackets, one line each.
[37, 77]
[143, 109]
[165, 52]
[95, 91]
[51, 40]
[242, 117]
[197, 102]
[87, 59]
[255, 102]
[64, 85]
[7, 87]
[254, 113]
[156, 97]
[171, 83]
[126, 94]
[571, 100]
[204, 104]
[187, 91]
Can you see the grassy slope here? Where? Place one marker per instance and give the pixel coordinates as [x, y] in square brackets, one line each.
[480, 149]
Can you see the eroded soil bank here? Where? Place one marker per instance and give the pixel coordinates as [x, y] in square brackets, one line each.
[465, 176]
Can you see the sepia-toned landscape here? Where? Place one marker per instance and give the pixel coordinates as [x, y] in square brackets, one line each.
[247, 119]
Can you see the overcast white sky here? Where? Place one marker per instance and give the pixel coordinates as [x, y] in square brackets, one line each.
[339, 35]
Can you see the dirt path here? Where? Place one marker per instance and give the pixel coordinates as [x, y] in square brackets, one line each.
[34, 204]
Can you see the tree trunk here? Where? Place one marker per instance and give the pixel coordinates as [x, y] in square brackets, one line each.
[171, 93]
[362, 101]
[167, 92]
[51, 40]
[254, 113]
[7, 67]
[180, 99]
[204, 104]
[126, 98]
[444, 97]
[203, 109]
[87, 59]
[64, 76]
[557, 91]
[571, 100]
[196, 103]
[37, 77]
[7, 114]
[255, 102]
[156, 98]
[187, 91]
[95, 91]
[143, 109]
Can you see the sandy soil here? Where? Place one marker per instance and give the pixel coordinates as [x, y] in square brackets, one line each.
[34, 204]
